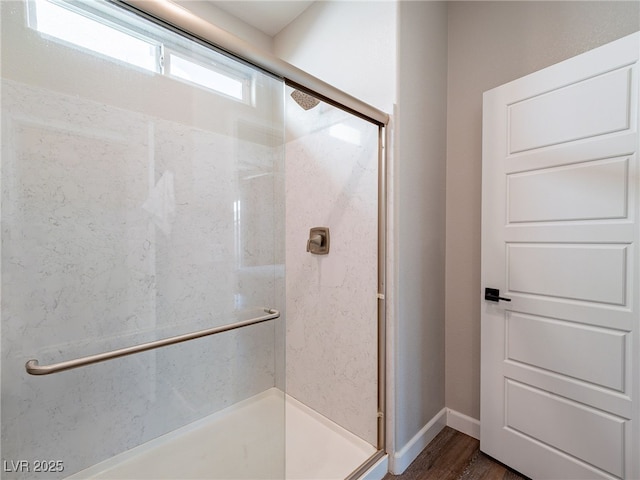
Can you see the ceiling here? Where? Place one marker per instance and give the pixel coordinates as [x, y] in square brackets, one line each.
[266, 15]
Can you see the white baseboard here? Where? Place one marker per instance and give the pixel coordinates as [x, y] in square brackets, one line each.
[463, 423]
[377, 471]
[402, 459]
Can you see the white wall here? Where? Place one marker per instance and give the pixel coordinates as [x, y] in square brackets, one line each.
[491, 43]
[228, 22]
[349, 44]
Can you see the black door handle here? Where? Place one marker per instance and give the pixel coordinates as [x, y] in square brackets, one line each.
[493, 295]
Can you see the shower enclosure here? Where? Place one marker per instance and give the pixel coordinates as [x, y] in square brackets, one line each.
[157, 198]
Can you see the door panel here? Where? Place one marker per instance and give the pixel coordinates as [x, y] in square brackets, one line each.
[598, 355]
[594, 190]
[528, 410]
[559, 371]
[586, 108]
[588, 272]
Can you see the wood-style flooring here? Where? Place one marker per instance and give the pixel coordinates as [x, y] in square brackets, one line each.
[455, 456]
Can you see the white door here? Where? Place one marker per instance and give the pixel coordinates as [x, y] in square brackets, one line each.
[560, 368]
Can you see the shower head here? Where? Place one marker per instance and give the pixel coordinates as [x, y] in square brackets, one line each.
[305, 100]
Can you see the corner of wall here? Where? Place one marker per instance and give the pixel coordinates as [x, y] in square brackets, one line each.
[463, 423]
[343, 42]
[218, 17]
[401, 459]
[421, 152]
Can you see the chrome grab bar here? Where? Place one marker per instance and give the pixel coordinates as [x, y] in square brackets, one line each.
[34, 369]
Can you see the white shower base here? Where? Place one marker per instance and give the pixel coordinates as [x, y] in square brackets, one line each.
[244, 441]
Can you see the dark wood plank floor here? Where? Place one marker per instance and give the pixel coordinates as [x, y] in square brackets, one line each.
[455, 456]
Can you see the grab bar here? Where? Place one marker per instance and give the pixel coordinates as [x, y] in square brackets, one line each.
[33, 368]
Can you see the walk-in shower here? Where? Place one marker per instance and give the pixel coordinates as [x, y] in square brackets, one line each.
[161, 315]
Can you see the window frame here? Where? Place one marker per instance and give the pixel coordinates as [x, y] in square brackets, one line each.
[162, 50]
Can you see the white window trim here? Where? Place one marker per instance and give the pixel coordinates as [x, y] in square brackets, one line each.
[163, 51]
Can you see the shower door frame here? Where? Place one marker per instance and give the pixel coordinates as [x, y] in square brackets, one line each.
[176, 18]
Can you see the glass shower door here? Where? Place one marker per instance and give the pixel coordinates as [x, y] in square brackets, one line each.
[333, 354]
[142, 198]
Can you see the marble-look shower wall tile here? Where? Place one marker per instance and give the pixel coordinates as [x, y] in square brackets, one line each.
[200, 246]
[331, 180]
[70, 219]
[117, 229]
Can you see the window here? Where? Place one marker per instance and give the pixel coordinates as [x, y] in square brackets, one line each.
[84, 26]
[83, 31]
[188, 70]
